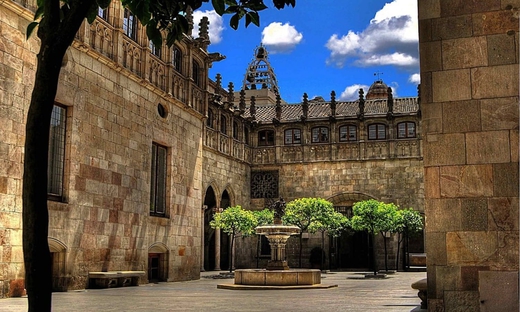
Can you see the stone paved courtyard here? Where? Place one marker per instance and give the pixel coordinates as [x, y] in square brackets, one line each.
[352, 294]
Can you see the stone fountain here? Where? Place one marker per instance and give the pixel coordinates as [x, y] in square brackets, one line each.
[277, 274]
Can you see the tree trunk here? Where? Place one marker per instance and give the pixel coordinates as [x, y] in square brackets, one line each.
[56, 32]
[399, 240]
[300, 252]
[231, 253]
[386, 252]
[37, 258]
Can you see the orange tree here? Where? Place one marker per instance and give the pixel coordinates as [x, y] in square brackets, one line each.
[56, 23]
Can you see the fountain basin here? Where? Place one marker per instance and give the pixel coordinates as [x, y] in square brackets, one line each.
[277, 278]
[277, 229]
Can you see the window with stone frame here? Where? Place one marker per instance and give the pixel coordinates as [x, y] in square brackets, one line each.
[246, 135]
[347, 133]
[223, 124]
[264, 184]
[56, 161]
[320, 135]
[292, 136]
[235, 130]
[377, 132]
[130, 25]
[177, 59]
[196, 73]
[265, 137]
[158, 181]
[103, 13]
[211, 119]
[406, 130]
[155, 50]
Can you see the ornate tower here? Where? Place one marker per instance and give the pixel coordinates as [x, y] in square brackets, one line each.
[260, 80]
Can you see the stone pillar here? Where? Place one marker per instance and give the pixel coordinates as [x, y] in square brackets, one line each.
[217, 249]
[202, 212]
[469, 96]
[277, 243]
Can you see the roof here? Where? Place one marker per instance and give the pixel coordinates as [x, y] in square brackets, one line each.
[317, 110]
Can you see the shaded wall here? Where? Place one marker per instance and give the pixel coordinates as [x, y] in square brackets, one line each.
[469, 91]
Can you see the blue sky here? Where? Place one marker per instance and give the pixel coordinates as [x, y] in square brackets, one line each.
[325, 45]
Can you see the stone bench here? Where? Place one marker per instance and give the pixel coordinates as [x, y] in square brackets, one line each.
[422, 286]
[114, 278]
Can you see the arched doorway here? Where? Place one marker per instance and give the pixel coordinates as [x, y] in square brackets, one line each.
[225, 244]
[351, 250]
[157, 263]
[58, 254]
[210, 202]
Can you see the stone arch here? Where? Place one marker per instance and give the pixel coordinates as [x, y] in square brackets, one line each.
[58, 251]
[232, 199]
[350, 251]
[349, 198]
[158, 255]
[210, 202]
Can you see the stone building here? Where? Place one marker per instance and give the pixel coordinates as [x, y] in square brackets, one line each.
[469, 94]
[341, 151]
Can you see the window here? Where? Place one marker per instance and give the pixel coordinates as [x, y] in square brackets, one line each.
[377, 132]
[292, 136]
[235, 130]
[177, 59]
[347, 133]
[406, 130]
[195, 73]
[56, 162]
[154, 49]
[209, 121]
[265, 137]
[158, 182]
[223, 124]
[264, 184]
[130, 25]
[246, 135]
[103, 13]
[320, 135]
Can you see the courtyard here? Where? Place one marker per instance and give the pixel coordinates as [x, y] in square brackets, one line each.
[353, 293]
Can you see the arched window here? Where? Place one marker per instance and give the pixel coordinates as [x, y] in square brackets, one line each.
[130, 25]
[406, 130]
[246, 135]
[211, 117]
[155, 49]
[265, 137]
[235, 130]
[376, 132]
[177, 59]
[320, 135]
[292, 136]
[195, 73]
[223, 124]
[347, 133]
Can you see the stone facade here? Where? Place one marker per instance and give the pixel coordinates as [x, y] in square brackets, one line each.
[469, 74]
[118, 101]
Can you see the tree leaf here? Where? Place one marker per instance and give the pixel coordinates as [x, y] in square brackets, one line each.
[233, 22]
[30, 28]
[219, 6]
[92, 13]
[103, 3]
[253, 18]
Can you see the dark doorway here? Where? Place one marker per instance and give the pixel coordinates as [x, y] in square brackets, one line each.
[225, 242]
[154, 271]
[209, 234]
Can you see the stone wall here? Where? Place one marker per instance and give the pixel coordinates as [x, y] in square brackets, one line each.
[103, 222]
[469, 88]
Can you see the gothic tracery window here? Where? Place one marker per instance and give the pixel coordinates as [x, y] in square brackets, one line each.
[264, 184]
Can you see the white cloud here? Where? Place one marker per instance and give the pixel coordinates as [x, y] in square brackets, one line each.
[215, 25]
[391, 38]
[351, 93]
[415, 78]
[281, 37]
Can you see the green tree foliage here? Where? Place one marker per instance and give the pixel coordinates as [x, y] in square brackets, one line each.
[331, 222]
[311, 215]
[57, 22]
[375, 217]
[408, 222]
[234, 221]
[263, 217]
